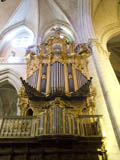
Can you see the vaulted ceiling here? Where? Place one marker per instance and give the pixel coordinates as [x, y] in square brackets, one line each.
[40, 15]
[105, 15]
[7, 9]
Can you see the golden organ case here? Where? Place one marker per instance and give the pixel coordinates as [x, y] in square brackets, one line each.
[58, 92]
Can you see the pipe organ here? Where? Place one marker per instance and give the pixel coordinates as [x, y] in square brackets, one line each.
[63, 65]
[58, 70]
[59, 93]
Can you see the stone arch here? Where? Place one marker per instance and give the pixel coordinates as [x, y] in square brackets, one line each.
[109, 32]
[29, 112]
[46, 31]
[14, 27]
[12, 32]
[10, 76]
[8, 100]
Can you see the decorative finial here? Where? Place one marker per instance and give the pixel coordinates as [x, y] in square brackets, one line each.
[57, 30]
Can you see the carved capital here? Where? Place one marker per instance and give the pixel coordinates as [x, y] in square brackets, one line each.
[93, 42]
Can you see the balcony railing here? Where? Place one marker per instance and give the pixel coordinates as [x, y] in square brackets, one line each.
[19, 127]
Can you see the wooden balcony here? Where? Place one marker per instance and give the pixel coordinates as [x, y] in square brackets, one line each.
[19, 127]
[31, 138]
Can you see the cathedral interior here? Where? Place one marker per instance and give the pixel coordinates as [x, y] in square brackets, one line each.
[59, 79]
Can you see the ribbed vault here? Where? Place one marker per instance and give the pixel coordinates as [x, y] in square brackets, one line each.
[40, 14]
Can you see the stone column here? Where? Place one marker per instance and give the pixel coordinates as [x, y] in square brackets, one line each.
[109, 84]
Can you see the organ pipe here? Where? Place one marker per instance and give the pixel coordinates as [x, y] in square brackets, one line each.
[53, 78]
[32, 80]
[57, 77]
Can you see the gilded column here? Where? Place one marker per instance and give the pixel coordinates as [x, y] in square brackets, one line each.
[64, 46]
[28, 67]
[74, 77]
[66, 78]
[72, 46]
[42, 46]
[39, 76]
[48, 76]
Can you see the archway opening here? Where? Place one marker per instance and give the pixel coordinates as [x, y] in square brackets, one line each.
[8, 100]
[113, 46]
[14, 44]
[29, 112]
[64, 32]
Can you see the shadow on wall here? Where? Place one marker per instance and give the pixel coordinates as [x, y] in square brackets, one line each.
[8, 100]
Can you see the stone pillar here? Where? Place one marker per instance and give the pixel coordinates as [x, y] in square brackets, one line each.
[109, 84]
